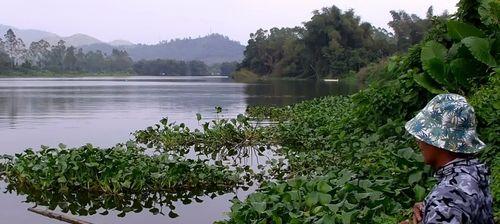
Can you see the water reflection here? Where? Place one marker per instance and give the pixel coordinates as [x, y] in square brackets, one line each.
[83, 203]
[286, 92]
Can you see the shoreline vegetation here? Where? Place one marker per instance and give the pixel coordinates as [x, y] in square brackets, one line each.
[49, 74]
[338, 159]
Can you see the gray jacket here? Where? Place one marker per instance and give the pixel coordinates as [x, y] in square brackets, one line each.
[462, 194]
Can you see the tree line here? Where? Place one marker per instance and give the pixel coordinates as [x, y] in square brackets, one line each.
[331, 44]
[59, 58]
[40, 55]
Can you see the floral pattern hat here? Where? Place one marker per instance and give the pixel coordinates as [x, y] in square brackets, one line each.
[447, 122]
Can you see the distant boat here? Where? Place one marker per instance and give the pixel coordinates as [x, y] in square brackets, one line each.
[331, 80]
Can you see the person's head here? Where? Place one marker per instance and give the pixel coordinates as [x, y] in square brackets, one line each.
[436, 157]
[445, 130]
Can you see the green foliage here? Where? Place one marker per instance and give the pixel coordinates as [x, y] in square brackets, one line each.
[480, 49]
[339, 194]
[331, 44]
[460, 30]
[170, 67]
[82, 180]
[461, 66]
[219, 139]
[489, 12]
[114, 170]
[363, 135]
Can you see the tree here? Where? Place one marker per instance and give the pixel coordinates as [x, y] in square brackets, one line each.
[4, 57]
[332, 43]
[15, 48]
[56, 57]
[120, 61]
[409, 29]
[227, 68]
[95, 61]
[69, 62]
[81, 62]
[2, 45]
[197, 68]
[38, 53]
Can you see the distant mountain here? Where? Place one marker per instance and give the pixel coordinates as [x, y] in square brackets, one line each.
[28, 35]
[75, 40]
[213, 48]
[120, 43]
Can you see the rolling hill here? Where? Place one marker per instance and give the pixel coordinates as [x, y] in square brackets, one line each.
[213, 48]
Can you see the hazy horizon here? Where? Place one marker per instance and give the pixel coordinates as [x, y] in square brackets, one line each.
[155, 20]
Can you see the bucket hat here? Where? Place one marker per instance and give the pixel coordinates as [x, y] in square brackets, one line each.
[447, 122]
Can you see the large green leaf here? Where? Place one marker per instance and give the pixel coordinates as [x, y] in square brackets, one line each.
[433, 60]
[480, 49]
[459, 30]
[462, 69]
[458, 50]
[428, 83]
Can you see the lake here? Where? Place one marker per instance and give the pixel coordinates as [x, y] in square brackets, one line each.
[106, 110]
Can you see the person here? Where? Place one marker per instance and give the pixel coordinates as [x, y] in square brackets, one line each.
[445, 130]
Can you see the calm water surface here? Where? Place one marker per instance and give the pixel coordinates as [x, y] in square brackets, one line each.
[105, 110]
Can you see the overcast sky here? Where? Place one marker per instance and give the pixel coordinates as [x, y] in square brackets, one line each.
[149, 21]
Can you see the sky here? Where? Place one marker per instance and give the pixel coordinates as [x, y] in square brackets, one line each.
[150, 21]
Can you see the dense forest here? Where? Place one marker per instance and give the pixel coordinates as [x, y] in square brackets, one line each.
[41, 56]
[331, 44]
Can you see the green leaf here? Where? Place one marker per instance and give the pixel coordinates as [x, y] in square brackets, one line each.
[259, 207]
[324, 187]
[419, 192]
[433, 61]
[312, 199]
[480, 49]
[460, 30]
[198, 116]
[428, 83]
[277, 219]
[326, 219]
[462, 69]
[324, 198]
[415, 177]
[346, 217]
[360, 196]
